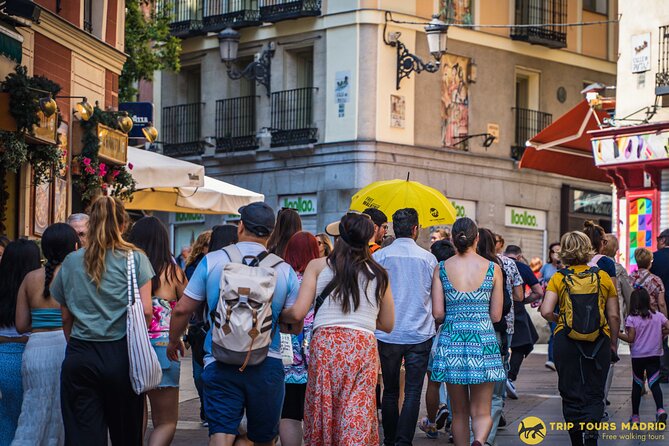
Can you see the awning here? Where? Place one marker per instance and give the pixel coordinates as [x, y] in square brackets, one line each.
[564, 146]
[11, 44]
[153, 170]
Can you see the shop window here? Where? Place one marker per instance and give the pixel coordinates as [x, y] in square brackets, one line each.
[596, 6]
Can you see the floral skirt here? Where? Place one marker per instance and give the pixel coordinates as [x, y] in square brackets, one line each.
[340, 405]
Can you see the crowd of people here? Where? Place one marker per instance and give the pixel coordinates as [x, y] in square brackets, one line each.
[297, 338]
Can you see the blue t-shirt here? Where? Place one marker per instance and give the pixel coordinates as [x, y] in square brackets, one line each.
[206, 280]
[547, 272]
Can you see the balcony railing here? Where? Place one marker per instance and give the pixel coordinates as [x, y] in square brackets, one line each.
[537, 12]
[277, 10]
[292, 117]
[662, 75]
[236, 124]
[185, 16]
[181, 130]
[219, 14]
[528, 124]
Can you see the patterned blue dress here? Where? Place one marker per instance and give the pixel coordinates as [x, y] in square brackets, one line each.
[467, 351]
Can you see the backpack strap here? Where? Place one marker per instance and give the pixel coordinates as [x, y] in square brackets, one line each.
[234, 254]
[269, 260]
[329, 288]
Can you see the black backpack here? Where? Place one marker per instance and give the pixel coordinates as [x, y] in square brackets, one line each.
[506, 307]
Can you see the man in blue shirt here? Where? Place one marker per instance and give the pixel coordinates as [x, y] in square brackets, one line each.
[660, 268]
[410, 269]
[259, 389]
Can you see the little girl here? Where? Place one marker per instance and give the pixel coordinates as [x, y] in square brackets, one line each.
[644, 329]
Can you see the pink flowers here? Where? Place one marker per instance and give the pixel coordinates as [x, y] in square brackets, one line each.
[89, 170]
[115, 173]
[102, 169]
[87, 161]
[130, 166]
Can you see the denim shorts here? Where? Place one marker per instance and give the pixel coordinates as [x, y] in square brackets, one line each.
[258, 390]
[171, 369]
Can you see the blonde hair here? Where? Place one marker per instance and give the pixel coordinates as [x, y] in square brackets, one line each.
[536, 264]
[105, 231]
[327, 243]
[643, 257]
[201, 243]
[575, 248]
[612, 245]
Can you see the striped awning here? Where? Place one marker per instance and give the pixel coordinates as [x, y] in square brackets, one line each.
[10, 44]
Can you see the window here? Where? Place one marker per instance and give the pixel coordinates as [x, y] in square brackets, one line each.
[597, 6]
[305, 68]
[88, 16]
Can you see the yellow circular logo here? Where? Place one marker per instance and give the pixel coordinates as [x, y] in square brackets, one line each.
[532, 430]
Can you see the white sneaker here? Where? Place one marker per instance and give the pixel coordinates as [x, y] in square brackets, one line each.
[511, 390]
[550, 365]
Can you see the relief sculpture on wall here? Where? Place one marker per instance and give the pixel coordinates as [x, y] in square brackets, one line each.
[454, 99]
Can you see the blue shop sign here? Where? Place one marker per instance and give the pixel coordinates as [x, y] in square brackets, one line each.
[142, 115]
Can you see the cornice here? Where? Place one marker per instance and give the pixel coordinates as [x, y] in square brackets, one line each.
[80, 42]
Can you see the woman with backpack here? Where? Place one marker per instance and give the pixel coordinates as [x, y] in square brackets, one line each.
[583, 341]
[644, 329]
[354, 300]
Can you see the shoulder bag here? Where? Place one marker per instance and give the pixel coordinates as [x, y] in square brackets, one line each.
[145, 371]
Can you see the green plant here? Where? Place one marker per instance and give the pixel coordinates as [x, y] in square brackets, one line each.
[148, 43]
[23, 99]
[45, 159]
[15, 151]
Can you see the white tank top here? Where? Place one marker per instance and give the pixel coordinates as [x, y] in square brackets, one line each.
[330, 314]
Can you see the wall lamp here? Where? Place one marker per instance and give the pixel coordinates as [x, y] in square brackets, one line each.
[258, 70]
[408, 63]
[84, 107]
[488, 139]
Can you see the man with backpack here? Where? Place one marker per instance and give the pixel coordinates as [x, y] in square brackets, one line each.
[245, 290]
[585, 336]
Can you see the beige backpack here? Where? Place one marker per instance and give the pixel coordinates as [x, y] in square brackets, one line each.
[242, 320]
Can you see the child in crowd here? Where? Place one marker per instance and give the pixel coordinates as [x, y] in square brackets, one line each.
[644, 329]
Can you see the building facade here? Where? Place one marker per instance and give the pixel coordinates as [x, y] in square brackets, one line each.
[334, 116]
[79, 45]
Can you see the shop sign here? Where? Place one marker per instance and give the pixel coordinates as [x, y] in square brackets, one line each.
[624, 149]
[180, 218]
[113, 145]
[464, 208]
[589, 202]
[524, 218]
[141, 114]
[640, 53]
[303, 204]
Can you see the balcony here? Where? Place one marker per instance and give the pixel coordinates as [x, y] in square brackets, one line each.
[535, 12]
[277, 10]
[662, 75]
[219, 14]
[185, 15]
[292, 117]
[182, 135]
[528, 123]
[236, 124]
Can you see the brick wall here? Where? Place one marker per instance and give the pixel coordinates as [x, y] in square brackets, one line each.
[70, 10]
[111, 89]
[112, 18]
[54, 61]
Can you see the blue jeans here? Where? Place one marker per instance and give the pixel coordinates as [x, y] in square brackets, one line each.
[399, 428]
[197, 378]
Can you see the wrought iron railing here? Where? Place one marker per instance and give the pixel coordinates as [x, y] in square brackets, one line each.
[236, 124]
[219, 14]
[185, 15]
[277, 10]
[528, 124]
[181, 132]
[292, 117]
[662, 75]
[541, 13]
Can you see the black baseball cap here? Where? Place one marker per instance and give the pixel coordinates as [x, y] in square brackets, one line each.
[664, 234]
[258, 218]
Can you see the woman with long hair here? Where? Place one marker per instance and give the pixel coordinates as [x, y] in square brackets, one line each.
[324, 244]
[340, 403]
[597, 237]
[198, 251]
[97, 399]
[39, 313]
[288, 223]
[582, 363]
[467, 295]
[167, 286]
[20, 257]
[301, 249]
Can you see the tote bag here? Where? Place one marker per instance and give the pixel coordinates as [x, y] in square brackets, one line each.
[145, 371]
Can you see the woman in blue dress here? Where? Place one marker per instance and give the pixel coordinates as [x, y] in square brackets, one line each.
[467, 295]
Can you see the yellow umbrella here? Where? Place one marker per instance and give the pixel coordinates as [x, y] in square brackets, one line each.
[389, 196]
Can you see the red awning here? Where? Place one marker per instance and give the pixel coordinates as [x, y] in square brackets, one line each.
[564, 146]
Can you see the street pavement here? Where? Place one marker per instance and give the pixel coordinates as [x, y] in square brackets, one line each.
[538, 397]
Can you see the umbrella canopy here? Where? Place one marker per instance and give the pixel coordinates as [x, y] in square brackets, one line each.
[216, 197]
[389, 196]
[153, 170]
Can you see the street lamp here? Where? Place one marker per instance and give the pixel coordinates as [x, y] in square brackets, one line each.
[259, 70]
[407, 63]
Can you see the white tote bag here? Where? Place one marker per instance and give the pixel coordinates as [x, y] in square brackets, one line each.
[145, 371]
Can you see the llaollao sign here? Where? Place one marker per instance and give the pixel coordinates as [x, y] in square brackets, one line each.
[525, 218]
[464, 208]
[303, 204]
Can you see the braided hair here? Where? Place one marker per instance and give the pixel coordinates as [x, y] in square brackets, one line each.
[58, 241]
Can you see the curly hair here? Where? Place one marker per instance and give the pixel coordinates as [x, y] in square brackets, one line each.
[575, 248]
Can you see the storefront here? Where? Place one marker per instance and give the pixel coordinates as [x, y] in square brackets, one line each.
[636, 159]
[579, 205]
[526, 228]
[465, 208]
[185, 228]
